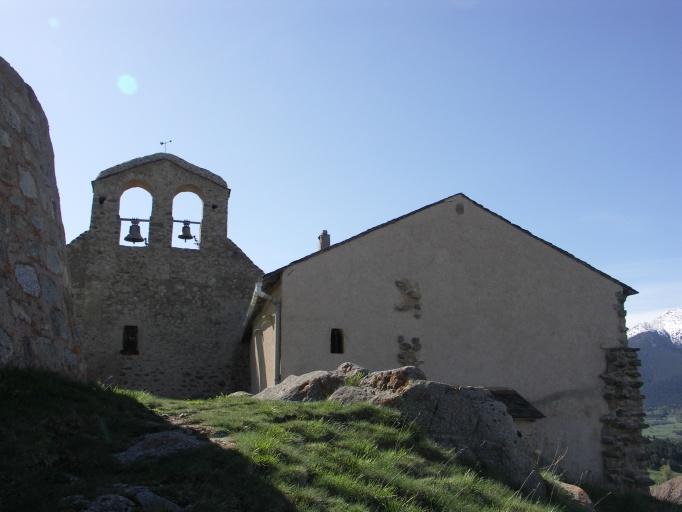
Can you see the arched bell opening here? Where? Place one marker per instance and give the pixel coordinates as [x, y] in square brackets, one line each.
[188, 210]
[135, 209]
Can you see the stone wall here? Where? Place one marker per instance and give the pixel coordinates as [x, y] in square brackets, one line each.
[35, 325]
[625, 459]
[188, 305]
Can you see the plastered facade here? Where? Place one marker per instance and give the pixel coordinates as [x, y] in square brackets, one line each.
[35, 304]
[472, 300]
[188, 305]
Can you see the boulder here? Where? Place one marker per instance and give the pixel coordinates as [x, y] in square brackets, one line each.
[159, 444]
[351, 370]
[576, 496]
[352, 394]
[312, 386]
[670, 491]
[470, 420]
[378, 387]
[152, 502]
[392, 380]
[110, 503]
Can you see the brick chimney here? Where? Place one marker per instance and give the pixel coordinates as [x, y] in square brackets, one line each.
[324, 240]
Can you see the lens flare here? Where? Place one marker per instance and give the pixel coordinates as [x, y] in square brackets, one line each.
[127, 84]
[54, 23]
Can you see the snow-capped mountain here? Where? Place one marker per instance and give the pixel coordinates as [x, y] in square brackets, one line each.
[660, 344]
[669, 322]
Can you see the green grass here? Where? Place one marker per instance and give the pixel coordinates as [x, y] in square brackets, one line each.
[664, 423]
[662, 475]
[57, 438]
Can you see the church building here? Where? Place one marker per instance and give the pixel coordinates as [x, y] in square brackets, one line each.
[473, 300]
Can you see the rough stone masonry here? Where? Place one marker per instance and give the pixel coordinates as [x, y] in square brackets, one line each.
[156, 317]
[35, 304]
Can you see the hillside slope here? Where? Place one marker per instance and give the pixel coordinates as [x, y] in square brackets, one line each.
[57, 439]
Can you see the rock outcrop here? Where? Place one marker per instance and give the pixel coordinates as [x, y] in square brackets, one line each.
[576, 496]
[467, 419]
[123, 498]
[35, 302]
[159, 444]
[312, 386]
[670, 491]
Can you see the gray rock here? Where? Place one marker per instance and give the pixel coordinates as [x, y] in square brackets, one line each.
[27, 279]
[27, 185]
[53, 260]
[392, 380]
[312, 386]
[44, 352]
[352, 394]
[669, 491]
[111, 503]
[473, 421]
[470, 420]
[576, 496]
[51, 292]
[4, 139]
[317, 385]
[159, 444]
[74, 503]
[6, 346]
[352, 370]
[153, 502]
[146, 498]
[60, 328]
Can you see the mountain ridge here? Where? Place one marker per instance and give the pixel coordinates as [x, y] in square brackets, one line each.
[660, 344]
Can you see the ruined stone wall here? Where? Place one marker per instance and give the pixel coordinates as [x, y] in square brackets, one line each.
[625, 459]
[35, 325]
[188, 305]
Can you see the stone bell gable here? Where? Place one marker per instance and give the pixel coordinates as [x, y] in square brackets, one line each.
[152, 316]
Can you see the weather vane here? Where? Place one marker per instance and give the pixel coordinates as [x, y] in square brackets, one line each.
[165, 145]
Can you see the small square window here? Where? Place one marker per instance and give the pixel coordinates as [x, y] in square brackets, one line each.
[130, 339]
[337, 341]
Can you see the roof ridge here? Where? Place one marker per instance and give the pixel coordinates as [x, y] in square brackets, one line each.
[190, 167]
[272, 277]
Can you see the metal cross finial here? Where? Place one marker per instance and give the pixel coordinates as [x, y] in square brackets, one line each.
[165, 145]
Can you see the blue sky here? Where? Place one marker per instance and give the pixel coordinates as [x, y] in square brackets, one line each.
[564, 117]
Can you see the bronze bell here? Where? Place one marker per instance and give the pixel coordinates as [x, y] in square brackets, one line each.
[134, 234]
[186, 233]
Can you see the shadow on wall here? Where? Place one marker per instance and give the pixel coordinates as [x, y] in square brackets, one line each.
[58, 437]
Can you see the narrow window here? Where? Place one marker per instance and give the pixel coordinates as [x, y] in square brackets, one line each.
[129, 340]
[337, 341]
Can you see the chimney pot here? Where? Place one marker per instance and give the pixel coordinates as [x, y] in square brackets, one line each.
[324, 239]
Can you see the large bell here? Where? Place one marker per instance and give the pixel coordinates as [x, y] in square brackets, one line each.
[186, 233]
[134, 234]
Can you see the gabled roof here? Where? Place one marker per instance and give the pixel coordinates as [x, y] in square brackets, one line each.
[191, 168]
[273, 277]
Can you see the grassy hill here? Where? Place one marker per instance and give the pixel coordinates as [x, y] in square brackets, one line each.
[58, 437]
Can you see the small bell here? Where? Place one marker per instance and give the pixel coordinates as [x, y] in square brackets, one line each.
[186, 233]
[134, 234]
